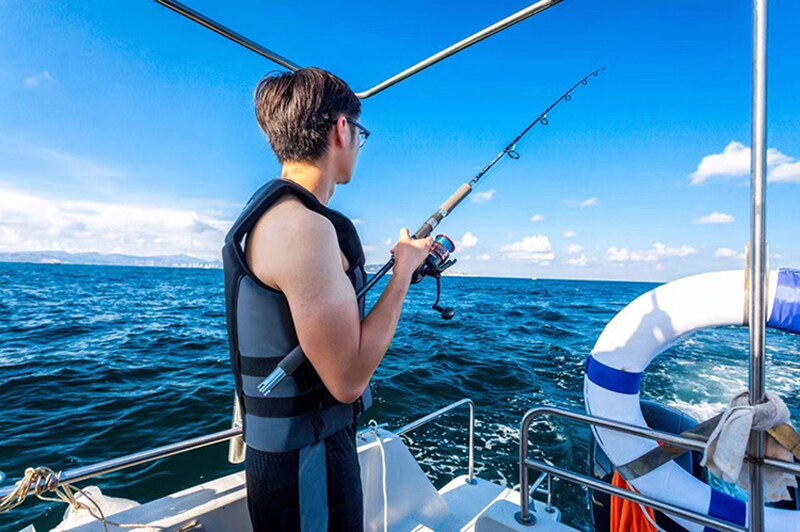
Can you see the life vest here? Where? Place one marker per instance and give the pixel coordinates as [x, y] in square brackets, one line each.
[300, 411]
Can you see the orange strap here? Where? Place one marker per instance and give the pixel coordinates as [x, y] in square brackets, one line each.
[628, 516]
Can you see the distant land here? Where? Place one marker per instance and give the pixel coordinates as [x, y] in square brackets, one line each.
[118, 259]
[113, 259]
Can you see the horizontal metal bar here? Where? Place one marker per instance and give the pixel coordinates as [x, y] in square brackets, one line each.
[634, 430]
[433, 415]
[645, 432]
[633, 496]
[115, 464]
[475, 38]
[787, 467]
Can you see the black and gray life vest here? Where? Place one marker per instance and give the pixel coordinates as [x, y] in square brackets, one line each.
[300, 411]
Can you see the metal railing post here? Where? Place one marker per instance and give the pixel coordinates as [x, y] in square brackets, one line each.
[471, 478]
[524, 516]
[758, 260]
[237, 448]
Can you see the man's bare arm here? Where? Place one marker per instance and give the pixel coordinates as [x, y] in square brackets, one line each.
[308, 270]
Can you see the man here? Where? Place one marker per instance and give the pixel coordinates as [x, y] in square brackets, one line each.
[295, 280]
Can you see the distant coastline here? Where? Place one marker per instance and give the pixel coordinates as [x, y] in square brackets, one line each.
[113, 259]
[189, 262]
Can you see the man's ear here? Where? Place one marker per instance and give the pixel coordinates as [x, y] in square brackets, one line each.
[341, 133]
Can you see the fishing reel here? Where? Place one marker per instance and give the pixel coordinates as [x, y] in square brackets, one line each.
[437, 262]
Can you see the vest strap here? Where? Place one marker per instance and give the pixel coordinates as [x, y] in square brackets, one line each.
[258, 366]
[289, 406]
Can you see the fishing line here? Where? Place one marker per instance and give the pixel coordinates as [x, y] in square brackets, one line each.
[438, 260]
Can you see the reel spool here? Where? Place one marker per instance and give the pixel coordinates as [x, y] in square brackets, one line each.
[437, 262]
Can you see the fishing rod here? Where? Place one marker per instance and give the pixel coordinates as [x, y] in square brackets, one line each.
[438, 260]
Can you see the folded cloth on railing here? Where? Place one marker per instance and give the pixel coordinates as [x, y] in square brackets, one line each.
[727, 445]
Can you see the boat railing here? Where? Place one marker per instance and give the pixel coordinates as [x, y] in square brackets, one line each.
[525, 516]
[132, 460]
[113, 465]
[439, 413]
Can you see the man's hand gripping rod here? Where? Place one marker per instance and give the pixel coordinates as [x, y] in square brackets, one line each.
[296, 357]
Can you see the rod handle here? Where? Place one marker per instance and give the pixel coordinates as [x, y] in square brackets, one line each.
[285, 368]
[447, 207]
[457, 197]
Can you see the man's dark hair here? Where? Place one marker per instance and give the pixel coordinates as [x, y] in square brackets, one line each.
[297, 110]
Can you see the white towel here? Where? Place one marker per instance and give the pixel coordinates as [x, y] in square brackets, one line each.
[727, 445]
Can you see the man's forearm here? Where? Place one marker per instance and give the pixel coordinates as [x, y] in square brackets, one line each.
[377, 329]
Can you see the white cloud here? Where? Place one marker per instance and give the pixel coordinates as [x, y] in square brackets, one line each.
[485, 257]
[536, 218]
[786, 173]
[716, 218]
[480, 197]
[535, 248]
[574, 249]
[728, 253]
[570, 234]
[388, 241]
[591, 202]
[357, 221]
[580, 260]
[734, 161]
[30, 222]
[36, 80]
[468, 241]
[658, 251]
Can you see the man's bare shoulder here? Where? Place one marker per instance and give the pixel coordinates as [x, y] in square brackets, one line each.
[289, 217]
[288, 238]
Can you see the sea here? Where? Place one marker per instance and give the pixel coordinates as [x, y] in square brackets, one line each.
[98, 362]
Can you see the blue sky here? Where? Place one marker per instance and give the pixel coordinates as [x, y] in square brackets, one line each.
[126, 128]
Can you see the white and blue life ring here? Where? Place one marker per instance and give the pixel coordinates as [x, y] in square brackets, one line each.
[645, 328]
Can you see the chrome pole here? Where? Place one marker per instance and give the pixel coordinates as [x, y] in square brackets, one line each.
[471, 478]
[228, 33]
[475, 38]
[757, 279]
[524, 516]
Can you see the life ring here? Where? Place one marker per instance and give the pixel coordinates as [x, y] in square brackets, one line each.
[645, 328]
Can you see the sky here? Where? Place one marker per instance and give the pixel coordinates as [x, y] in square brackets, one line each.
[126, 128]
